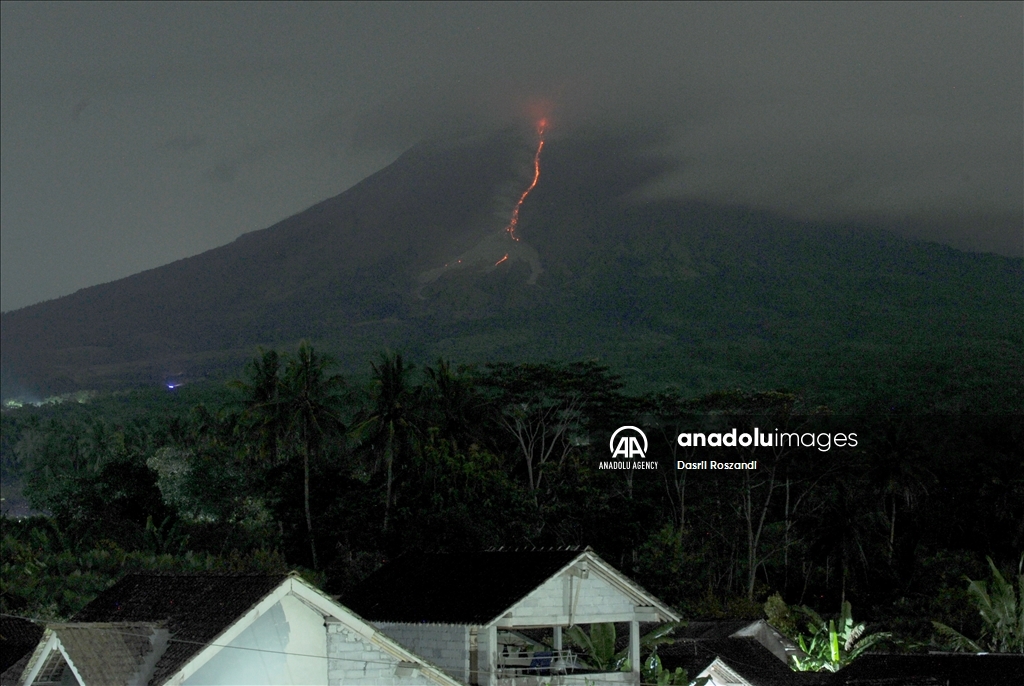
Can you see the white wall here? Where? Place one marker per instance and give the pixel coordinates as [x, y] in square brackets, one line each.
[443, 645]
[553, 599]
[354, 661]
[287, 645]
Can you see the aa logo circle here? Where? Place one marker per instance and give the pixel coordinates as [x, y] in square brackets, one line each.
[628, 442]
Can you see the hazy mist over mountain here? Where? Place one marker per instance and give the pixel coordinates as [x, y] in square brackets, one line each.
[135, 135]
[419, 257]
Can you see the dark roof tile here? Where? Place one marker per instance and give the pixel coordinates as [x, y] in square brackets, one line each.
[712, 628]
[454, 588]
[17, 637]
[933, 670]
[745, 656]
[197, 608]
[108, 652]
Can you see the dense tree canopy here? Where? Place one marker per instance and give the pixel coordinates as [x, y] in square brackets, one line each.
[293, 467]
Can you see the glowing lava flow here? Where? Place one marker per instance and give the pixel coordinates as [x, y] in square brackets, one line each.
[511, 228]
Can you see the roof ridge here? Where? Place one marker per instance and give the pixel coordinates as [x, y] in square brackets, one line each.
[218, 575]
[538, 549]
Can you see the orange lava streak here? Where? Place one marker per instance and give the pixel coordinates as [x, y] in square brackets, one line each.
[501, 260]
[511, 228]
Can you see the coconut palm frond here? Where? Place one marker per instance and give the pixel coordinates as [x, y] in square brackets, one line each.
[956, 639]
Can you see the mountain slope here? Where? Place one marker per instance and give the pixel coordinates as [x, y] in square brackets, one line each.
[416, 257]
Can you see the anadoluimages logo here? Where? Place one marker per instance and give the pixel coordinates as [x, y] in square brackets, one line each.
[630, 443]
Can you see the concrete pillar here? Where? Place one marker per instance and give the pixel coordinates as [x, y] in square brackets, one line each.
[558, 665]
[488, 641]
[634, 649]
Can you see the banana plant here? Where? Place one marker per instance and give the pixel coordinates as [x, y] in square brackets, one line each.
[828, 647]
[598, 646]
[652, 672]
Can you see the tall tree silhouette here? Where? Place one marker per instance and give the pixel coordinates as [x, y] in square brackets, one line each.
[388, 426]
[449, 398]
[263, 417]
[548, 410]
[900, 476]
[312, 401]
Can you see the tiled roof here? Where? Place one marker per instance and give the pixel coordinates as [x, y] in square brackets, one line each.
[745, 656]
[701, 629]
[17, 637]
[454, 588]
[196, 608]
[933, 670]
[12, 675]
[107, 652]
[712, 628]
[698, 629]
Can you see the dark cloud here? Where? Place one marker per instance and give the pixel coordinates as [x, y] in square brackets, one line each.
[906, 112]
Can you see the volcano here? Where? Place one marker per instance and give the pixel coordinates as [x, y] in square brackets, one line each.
[417, 257]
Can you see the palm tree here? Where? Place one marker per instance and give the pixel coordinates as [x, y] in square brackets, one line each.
[450, 398]
[263, 416]
[312, 400]
[389, 424]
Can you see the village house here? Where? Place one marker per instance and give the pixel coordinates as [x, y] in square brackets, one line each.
[735, 653]
[216, 630]
[479, 618]
[473, 614]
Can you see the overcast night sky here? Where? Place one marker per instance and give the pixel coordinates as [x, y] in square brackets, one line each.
[134, 135]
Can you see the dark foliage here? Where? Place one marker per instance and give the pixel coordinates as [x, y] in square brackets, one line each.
[449, 459]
